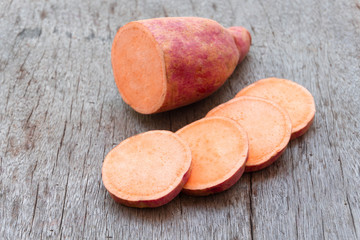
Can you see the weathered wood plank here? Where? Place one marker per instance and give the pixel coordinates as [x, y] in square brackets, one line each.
[60, 114]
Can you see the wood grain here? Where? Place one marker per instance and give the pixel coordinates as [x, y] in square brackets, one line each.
[60, 113]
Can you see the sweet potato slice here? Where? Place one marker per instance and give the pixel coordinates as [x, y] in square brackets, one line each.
[219, 149]
[267, 124]
[147, 170]
[294, 98]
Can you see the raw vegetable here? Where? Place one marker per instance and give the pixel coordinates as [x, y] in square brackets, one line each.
[147, 170]
[219, 149]
[164, 63]
[294, 98]
[267, 124]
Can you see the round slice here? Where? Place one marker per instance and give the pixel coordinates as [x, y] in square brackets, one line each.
[147, 170]
[268, 127]
[219, 149]
[294, 98]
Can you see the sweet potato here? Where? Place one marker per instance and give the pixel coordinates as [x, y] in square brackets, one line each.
[147, 170]
[164, 63]
[219, 149]
[267, 124]
[294, 98]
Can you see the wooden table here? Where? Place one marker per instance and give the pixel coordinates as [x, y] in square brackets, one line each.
[61, 113]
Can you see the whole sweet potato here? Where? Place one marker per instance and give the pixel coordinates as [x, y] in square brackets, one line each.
[164, 63]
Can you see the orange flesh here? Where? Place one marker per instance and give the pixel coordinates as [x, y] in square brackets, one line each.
[139, 68]
[219, 148]
[295, 99]
[146, 166]
[268, 126]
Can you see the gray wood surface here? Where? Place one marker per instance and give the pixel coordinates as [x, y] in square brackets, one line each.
[60, 113]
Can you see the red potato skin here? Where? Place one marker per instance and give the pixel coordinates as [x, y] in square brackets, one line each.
[199, 56]
[242, 40]
[218, 188]
[155, 202]
[261, 166]
[303, 130]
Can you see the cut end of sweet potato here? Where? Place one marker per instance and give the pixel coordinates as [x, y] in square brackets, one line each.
[219, 149]
[268, 127]
[147, 170]
[139, 68]
[242, 39]
[294, 98]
